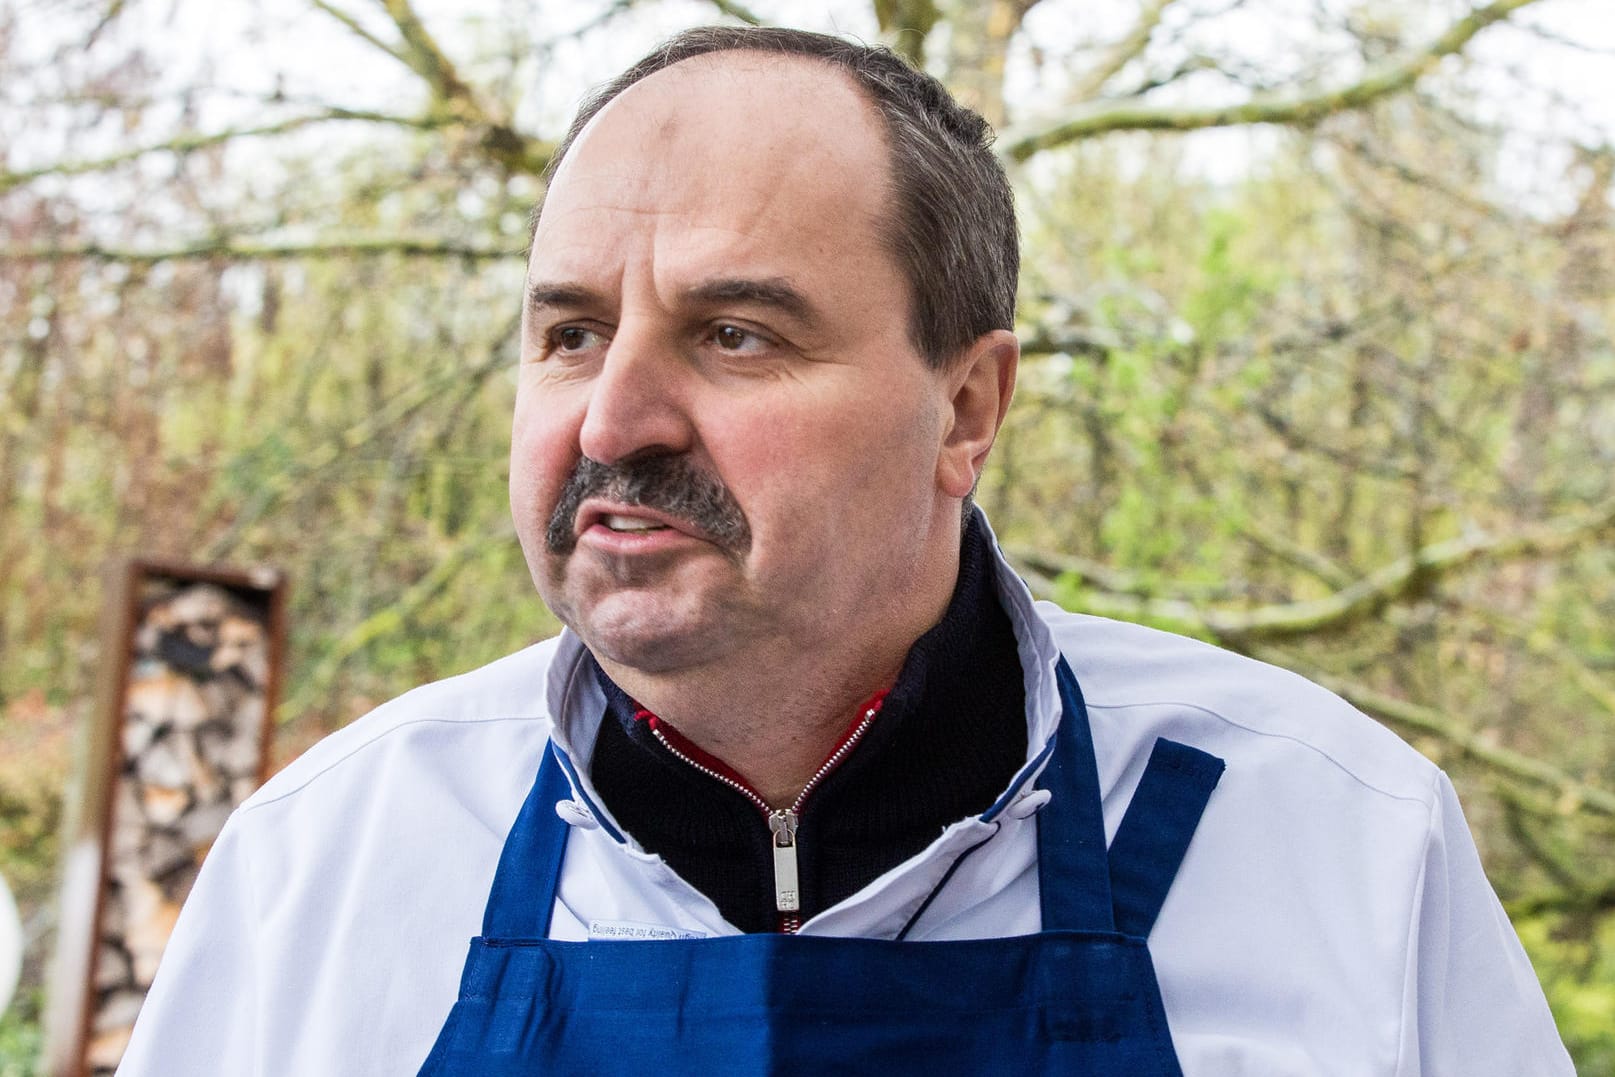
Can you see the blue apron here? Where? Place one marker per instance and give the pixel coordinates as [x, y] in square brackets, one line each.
[1080, 997]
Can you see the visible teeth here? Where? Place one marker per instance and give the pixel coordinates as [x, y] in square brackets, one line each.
[632, 523]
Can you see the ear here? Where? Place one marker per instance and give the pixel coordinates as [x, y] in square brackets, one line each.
[980, 383]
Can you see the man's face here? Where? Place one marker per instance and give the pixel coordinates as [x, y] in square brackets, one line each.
[724, 441]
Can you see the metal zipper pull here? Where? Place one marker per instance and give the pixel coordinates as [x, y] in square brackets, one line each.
[782, 824]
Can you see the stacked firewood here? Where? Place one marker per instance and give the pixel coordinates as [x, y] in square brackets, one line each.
[192, 739]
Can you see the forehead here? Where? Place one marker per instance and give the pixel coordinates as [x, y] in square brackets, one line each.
[777, 149]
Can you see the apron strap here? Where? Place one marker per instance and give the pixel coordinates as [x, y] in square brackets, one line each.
[524, 886]
[1155, 832]
[1073, 875]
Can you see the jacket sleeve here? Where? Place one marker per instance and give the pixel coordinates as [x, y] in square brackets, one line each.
[200, 1016]
[1471, 1004]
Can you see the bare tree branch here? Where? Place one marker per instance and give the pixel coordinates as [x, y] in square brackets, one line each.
[388, 620]
[1552, 37]
[108, 17]
[1117, 581]
[1298, 556]
[1545, 646]
[1571, 794]
[1092, 341]
[413, 247]
[738, 11]
[1096, 118]
[1123, 52]
[1372, 156]
[1551, 855]
[905, 25]
[374, 424]
[1302, 440]
[1592, 900]
[453, 95]
[190, 143]
[979, 36]
[1190, 66]
[358, 30]
[428, 60]
[1397, 581]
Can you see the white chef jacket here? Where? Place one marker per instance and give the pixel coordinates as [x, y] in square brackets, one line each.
[1331, 915]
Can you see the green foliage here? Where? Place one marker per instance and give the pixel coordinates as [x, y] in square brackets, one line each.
[21, 1040]
[30, 824]
[1578, 972]
[1234, 282]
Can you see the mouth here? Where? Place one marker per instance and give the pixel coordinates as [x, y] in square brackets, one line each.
[599, 516]
[630, 524]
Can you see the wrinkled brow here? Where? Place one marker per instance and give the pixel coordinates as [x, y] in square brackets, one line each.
[773, 292]
[544, 294]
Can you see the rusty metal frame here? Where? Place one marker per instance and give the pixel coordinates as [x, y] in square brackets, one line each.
[87, 843]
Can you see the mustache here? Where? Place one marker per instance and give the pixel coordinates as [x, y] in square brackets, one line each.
[669, 484]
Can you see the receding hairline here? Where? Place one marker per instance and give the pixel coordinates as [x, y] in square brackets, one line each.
[762, 61]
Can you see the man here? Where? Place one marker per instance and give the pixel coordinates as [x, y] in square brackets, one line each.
[817, 786]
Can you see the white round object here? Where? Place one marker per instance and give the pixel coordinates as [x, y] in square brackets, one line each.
[10, 945]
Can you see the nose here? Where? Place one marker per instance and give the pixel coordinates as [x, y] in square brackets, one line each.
[638, 402]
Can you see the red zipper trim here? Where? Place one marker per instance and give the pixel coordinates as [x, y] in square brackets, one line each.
[681, 746]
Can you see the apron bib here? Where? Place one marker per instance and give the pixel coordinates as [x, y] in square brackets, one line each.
[1079, 997]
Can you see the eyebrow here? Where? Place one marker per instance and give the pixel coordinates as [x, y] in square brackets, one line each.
[773, 292]
[544, 294]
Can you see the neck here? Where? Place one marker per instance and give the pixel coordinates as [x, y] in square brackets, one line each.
[774, 711]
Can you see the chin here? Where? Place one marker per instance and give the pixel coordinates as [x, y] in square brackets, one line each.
[676, 621]
[652, 652]
[646, 636]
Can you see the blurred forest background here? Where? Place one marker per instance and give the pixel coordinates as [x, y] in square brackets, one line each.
[1318, 310]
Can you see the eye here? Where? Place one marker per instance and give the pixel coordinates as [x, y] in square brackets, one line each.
[572, 339]
[736, 340]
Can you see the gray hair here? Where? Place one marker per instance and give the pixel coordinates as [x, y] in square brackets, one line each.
[952, 228]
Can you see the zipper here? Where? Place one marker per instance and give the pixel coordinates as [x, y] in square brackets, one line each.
[782, 822]
[787, 894]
